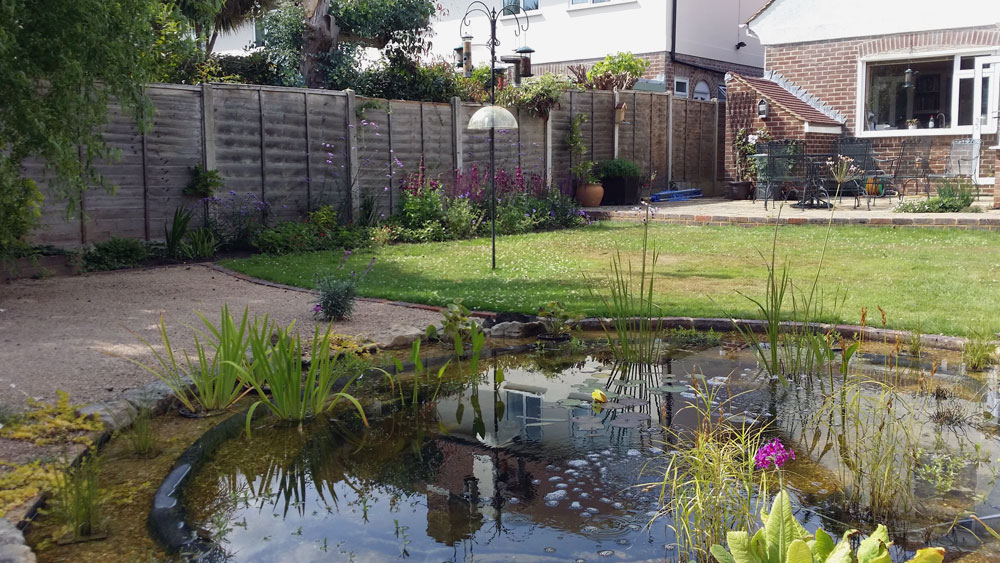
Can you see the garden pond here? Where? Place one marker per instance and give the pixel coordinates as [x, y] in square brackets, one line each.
[514, 463]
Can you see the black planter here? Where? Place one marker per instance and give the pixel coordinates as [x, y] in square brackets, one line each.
[620, 191]
[739, 190]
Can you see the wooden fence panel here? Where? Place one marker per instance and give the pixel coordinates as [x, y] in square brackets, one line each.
[602, 121]
[285, 153]
[174, 146]
[374, 160]
[237, 116]
[328, 174]
[121, 212]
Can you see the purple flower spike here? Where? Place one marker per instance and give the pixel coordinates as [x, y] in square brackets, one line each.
[775, 453]
[317, 308]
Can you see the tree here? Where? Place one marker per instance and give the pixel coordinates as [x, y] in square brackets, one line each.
[210, 18]
[60, 66]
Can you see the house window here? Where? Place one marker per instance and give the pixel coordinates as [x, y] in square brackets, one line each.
[701, 91]
[580, 2]
[517, 6]
[934, 92]
[681, 87]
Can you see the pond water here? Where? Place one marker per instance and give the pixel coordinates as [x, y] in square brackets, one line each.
[514, 464]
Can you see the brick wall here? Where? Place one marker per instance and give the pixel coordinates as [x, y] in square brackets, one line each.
[829, 71]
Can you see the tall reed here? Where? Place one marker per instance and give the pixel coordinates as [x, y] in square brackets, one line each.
[630, 306]
[78, 501]
[289, 389]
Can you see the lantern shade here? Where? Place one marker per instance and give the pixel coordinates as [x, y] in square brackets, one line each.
[492, 117]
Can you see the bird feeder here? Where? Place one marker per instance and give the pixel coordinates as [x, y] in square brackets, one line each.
[620, 110]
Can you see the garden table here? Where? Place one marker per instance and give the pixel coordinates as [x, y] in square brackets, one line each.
[814, 194]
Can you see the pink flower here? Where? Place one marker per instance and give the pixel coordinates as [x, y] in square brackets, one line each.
[317, 308]
[775, 453]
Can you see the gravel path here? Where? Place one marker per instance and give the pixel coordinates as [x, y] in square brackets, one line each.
[74, 333]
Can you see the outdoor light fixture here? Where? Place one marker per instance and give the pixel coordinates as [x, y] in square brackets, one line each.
[525, 54]
[491, 117]
[763, 109]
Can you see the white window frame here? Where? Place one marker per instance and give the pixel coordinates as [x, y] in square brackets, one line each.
[862, 80]
[687, 87]
[708, 93]
[521, 8]
[588, 4]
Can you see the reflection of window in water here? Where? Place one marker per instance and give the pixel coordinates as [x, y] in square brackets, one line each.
[525, 408]
[993, 393]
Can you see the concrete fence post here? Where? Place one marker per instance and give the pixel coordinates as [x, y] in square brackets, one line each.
[353, 165]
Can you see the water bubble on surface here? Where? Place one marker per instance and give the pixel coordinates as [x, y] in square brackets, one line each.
[606, 553]
[618, 505]
[555, 478]
[577, 490]
[592, 509]
[655, 450]
[556, 495]
[622, 541]
[552, 503]
[606, 452]
[598, 489]
[575, 506]
[634, 527]
[562, 486]
[550, 467]
[571, 472]
[571, 480]
[585, 514]
[549, 550]
[632, 452]
[651, 513]
[605, 500]
[590, 529]
[577, 463]
[536, 481]
[690, 396]
[514, 500]
[583, 495]
[579, 560]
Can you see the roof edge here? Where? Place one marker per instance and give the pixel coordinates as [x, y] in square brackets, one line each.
[806, 97]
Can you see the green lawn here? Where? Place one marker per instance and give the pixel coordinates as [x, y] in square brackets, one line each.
[943, 280]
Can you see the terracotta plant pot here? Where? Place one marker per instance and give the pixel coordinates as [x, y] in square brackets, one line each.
[590, 195]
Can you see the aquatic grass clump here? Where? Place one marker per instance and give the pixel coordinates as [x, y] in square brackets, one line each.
[711, 484]
[140, 436]
[980, 349]
[630, 305]
[211, 381]
[78, 501]
[875, 435]
[284, 384]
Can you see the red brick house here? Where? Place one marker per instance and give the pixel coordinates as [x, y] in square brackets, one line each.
[886, 70]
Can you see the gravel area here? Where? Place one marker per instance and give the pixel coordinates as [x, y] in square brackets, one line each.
[75, 333]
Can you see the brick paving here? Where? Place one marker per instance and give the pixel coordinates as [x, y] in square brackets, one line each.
[718, 211]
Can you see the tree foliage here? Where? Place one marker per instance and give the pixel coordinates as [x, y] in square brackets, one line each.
[60, 65]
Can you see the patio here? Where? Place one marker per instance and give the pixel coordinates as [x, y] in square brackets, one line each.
[720, 211]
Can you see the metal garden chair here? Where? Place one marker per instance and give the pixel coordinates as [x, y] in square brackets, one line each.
[962, 162]
[912, 164]
[783, 165]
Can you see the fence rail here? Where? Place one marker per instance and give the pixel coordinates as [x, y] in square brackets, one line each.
[299, 148]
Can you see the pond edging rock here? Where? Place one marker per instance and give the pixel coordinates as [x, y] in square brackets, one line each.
[13, 549]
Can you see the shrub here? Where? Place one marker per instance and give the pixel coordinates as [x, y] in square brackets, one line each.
[336, 298]
[288, 237]
[461, 219]
[950, 198]
[236, 219]
[20, 206]
[324, 218]
[173, 238]
[618, 168]
[203, 182]
[537, 96]
[422, 202]
[199, 243]
[115, 254]
[619, 71]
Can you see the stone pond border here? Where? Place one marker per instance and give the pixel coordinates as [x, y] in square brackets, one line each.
[119, 413]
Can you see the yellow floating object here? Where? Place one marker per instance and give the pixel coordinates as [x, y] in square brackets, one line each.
[599, 396]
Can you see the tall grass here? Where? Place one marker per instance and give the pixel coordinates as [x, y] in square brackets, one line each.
[140, 436]
[284, 384]
[630, 306]
[210, 381]
[710, 485]
[798, 349]
[873, 430]
[78, 501]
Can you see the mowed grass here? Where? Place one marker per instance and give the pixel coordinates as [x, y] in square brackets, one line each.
[944, 281]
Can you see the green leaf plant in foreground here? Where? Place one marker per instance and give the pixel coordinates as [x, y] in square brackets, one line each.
[784, 540]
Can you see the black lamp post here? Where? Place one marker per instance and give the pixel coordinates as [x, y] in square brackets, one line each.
[490, 117]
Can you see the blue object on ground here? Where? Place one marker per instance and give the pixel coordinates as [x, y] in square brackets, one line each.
[676, 195]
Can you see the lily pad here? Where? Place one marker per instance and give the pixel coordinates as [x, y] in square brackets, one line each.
[625, 423]
[629, 384]
[570, 403]
[672, 388]
[611, 405]
[630, 402]
[590, 426]
[640, 416]
[602, 375]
